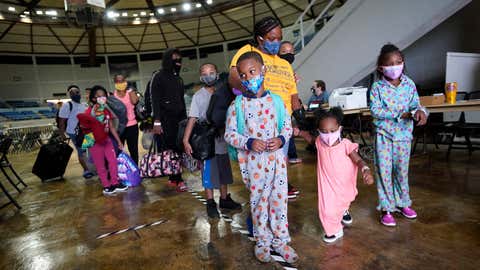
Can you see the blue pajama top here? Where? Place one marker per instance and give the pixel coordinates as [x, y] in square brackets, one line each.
[389, 102]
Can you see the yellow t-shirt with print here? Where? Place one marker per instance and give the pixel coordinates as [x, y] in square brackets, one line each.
[279, 76]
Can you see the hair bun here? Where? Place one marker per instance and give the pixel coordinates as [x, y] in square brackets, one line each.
[388, 48]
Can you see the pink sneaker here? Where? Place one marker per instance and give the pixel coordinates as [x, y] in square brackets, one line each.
[388, 220]
[408, 212]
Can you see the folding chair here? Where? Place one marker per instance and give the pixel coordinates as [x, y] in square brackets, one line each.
[5, 163]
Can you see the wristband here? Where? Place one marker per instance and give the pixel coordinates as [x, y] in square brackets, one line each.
[157, 124]
[364, 168]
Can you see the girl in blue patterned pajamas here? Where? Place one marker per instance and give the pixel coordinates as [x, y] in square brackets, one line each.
[262, 162]
[394, 105]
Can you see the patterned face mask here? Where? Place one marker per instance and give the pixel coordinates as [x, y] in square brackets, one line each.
[210, 79]
[101, 100]
[393, 72]
[254, 84]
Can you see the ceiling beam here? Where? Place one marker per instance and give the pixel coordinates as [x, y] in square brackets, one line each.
[274, 13]
[4, 33]
[253, 12]
[183, 33]
[58, 38]
[208, 10]
[143, 35]
[236, 22]
[151, 6]
[218, 28]
[295, 7]
[126, 38]
[78, 41]
[31, 38]
[163, 35]
[198, 30]
[104, 42]
[111, 3]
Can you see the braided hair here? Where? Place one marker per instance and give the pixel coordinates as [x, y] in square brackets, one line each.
[264, 26]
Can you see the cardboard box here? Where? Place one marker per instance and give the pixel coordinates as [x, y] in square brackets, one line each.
[432, 100]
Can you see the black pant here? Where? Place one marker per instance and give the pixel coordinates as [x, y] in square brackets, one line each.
[292, 149]
[130, 134]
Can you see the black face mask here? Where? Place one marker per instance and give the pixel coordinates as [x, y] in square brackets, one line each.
[290, 57]
[177, 65]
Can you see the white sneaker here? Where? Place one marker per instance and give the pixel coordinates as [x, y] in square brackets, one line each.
[333, 238]
[347, 218]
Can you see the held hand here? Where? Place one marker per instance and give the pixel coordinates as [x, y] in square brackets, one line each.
[296, 132]
[367, 177]
[297, 77]
[406, 115]
[188, 148]
[420, 117]
[157, 129]
[259, 146]
[120, 145]
[274, 144]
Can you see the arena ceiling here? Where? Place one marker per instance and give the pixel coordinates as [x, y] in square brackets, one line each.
[44, 27]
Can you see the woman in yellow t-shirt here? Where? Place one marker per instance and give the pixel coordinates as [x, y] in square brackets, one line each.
[279, 75]
[279, 78]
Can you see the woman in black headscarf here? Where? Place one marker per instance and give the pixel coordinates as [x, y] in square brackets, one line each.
[168, 104]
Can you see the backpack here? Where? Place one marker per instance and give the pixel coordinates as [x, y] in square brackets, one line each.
[119, 110]
[219, 103]
[279, 109]
[79, 135]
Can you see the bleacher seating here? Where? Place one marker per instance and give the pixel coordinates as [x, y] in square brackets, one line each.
[22, 103]
[18, 116]
[48, 113]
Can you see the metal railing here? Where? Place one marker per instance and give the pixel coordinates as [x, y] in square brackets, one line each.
[299, 23]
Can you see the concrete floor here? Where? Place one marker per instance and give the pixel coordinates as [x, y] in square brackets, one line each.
[59, 223]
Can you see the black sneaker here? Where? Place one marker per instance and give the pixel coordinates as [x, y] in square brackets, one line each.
[109, 190]
[120, 187]
[212, 211]
[230, 204]
[347, 218]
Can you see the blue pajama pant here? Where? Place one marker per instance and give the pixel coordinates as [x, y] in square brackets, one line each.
[391, 161]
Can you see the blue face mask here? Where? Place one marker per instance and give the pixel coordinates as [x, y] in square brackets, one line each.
[271, 47]
[254, 84]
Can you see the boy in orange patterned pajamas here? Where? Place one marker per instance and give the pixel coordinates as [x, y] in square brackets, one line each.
[262, 161]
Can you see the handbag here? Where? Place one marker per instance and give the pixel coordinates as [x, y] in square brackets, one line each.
[158, 163]
[191, 164]
[202, 139]
[147, 139]
[128, 172]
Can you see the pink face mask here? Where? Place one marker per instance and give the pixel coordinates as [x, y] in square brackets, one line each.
[331, 138]
[392, 72]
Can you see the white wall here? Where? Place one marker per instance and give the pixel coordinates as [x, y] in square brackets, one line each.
[426, 58]
[345, 50]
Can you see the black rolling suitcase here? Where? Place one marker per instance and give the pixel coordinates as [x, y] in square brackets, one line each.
[52, 161]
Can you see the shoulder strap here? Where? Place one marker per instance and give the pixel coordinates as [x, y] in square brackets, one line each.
[150, 90]
[280, 110]
[240, 116]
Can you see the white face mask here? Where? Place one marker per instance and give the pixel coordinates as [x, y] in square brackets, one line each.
[101, 100]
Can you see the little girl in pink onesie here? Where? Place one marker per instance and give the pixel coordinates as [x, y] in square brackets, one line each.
[338, 163]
